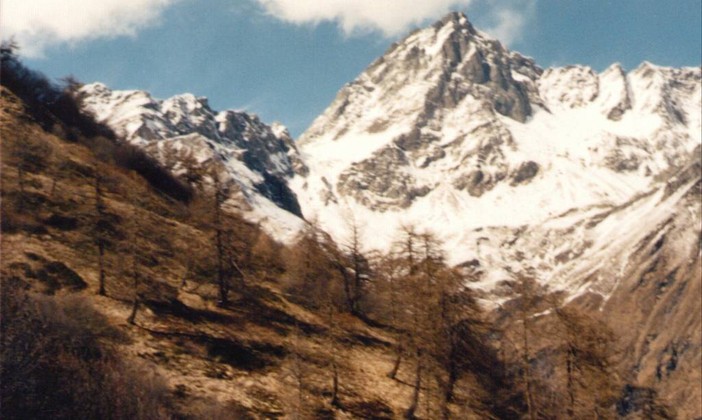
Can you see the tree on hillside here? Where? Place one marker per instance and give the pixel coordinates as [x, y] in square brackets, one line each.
[422, 266]
[100, 226]
[358, 276]
[220, 193]
[208, 211]
[388, 269]
[458, 332]
[441, 320]
[266, 253]
[315, 265]
[29, 155]
[592, 386]
[330, 312]
[134, 241]
[397, 270]
[528, 299]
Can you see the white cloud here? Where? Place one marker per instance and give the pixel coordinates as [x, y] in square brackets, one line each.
[393, 17]
[508, 19]
[38, 24]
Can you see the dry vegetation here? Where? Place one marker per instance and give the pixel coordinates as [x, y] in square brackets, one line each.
[124, 297]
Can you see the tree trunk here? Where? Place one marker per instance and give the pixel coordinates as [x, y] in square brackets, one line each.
[188, 268]
[410, 414]
[99, 213]
[135, 308]
[398, 359]
[451, 383]
[571, 383]
[335, 385]
[53, 186]
[357, 284]
[219, 243]
[20, 177]
[20, 181]
[101, 267]
[135, 286]
[527, 371]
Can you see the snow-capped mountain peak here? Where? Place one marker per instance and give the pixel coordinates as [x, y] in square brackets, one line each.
[452, 132]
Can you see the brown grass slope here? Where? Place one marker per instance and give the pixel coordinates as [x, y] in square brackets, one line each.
[184, 357]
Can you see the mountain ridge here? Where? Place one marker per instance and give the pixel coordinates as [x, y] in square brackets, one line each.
[447, 122]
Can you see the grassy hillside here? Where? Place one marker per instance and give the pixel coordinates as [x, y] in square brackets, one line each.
[184, 356]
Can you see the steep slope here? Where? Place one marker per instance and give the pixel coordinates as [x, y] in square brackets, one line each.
[452, 132]
[586, 182]
[261, 357]
[185, 134]
[656, 307]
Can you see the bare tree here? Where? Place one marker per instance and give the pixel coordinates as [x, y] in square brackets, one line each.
[315, 268]
[299, 372]
[100, 225]
[221, 233]
[355, 282]
[389, 273]
[29, 155]
[396, 269]
[135, 235]
[332, 356]
[527, 302]
[591, 384]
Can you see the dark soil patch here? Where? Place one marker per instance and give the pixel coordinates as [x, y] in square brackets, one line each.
[266, 316]
[372, 410]
[62, 222]
[176, 308]
[57, 276]
[248, 356]
[245, 356]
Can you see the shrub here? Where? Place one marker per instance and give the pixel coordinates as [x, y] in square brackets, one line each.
[132, 158]
[56, 363]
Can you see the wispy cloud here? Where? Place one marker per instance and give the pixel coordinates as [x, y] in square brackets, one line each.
[393, 17]
[39, 24]
[509, 18]
[390, 17]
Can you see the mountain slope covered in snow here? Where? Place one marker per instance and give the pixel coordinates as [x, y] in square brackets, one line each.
[453, 133]
[254, 160]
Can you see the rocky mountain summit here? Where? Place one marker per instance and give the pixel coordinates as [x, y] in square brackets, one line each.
[452, 132]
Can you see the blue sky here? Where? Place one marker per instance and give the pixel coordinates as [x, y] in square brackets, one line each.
[286, 59]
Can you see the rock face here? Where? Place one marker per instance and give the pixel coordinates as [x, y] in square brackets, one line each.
[451, 131]
[656, 307]
[184, 132]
